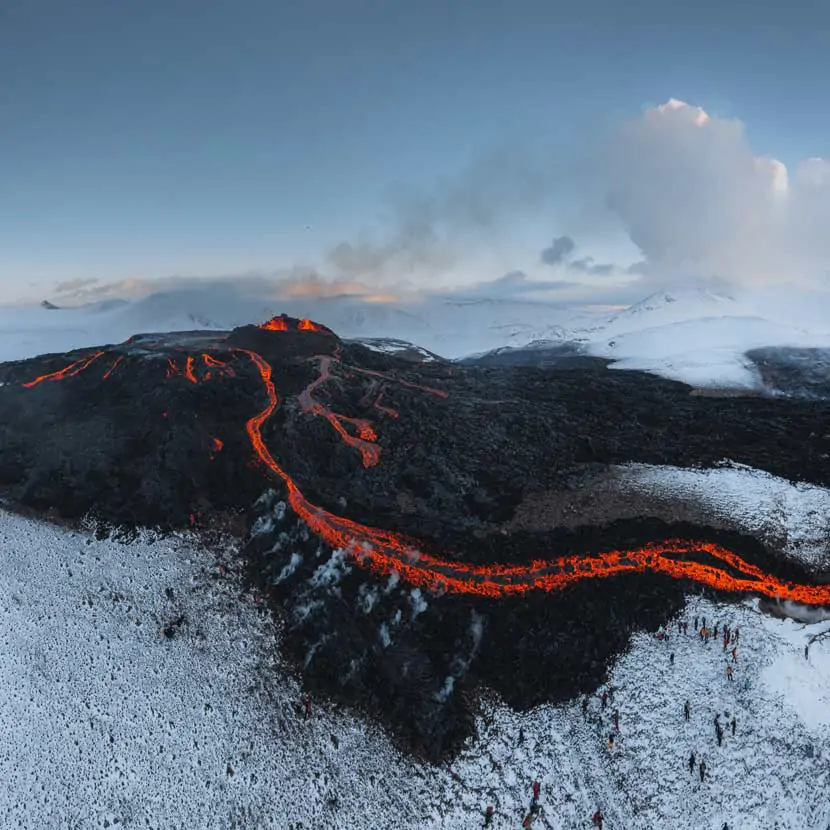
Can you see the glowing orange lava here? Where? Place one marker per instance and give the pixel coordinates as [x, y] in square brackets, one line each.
[385, 553]
[281, 324]
[68, 371]
[364, 442]
[114, 366]
[276, 324]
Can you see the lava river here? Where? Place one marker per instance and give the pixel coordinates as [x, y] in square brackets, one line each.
[384, 552]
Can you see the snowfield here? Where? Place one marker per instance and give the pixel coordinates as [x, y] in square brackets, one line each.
[106, 721]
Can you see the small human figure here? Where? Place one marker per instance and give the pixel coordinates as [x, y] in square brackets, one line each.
[695, 623]
[728, 672]
[735, 655]
[737, 634]
[611, 741]
[604, 699]
[715, 634]
[488, 816]
[702, 769]
[734, 725]
[692, 763]
[671, 658]
[719, 733]
[616, 719]
[687, 710]
[521, 735]
[307, 705]
[806, 651]
[528, 820]
[597, 819]
[537, 788]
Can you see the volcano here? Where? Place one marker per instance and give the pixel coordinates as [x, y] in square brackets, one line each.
[377, 495]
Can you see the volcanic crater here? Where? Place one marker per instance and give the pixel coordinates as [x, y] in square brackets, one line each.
[379, 495]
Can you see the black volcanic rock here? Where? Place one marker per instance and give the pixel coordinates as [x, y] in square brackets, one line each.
[153, 432]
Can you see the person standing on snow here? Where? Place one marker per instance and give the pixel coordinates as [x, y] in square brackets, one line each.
[616, 719]
[537, 788]
[735, 654]
[687, 710]
[728, 672]
[488, 817]
[734, 725]
[702, 770]
[307, 705]
[604, 699]
[597, 819]
[692, 763]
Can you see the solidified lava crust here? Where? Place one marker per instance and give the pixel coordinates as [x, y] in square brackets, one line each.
[405, 597]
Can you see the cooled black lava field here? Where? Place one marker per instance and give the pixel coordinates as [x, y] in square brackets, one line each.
[376, 493]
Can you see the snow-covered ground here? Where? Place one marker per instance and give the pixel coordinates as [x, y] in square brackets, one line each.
[103, 718]
[694, 335]
[104, 721]
[759, 504]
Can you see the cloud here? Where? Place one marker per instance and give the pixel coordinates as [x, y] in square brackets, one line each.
[72, 286]
[558, 253]
[697, 201]
[428, 233]
[555, 253]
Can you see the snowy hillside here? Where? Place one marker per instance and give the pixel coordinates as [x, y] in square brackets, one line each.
[138, 688]
[697, 336]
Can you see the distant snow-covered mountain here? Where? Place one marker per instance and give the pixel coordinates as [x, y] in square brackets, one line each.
[695, 334]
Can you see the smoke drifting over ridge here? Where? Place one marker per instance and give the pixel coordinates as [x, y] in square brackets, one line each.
[684, 186]
[694, 198]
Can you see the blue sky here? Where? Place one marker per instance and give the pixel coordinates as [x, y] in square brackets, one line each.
[146, 139]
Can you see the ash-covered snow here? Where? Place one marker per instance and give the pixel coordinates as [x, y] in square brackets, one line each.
[795, 514]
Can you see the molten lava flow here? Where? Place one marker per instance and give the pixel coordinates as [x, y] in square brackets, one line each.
[364, 442]
[281, 323]
[308, 325]
[383, 552]
[68, 371]
[276, 324]
[113, 367]
[188, 370]
[386, 410]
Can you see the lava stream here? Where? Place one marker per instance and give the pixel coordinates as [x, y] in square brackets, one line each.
[68, 371]
[364, 441]
[384, 552]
